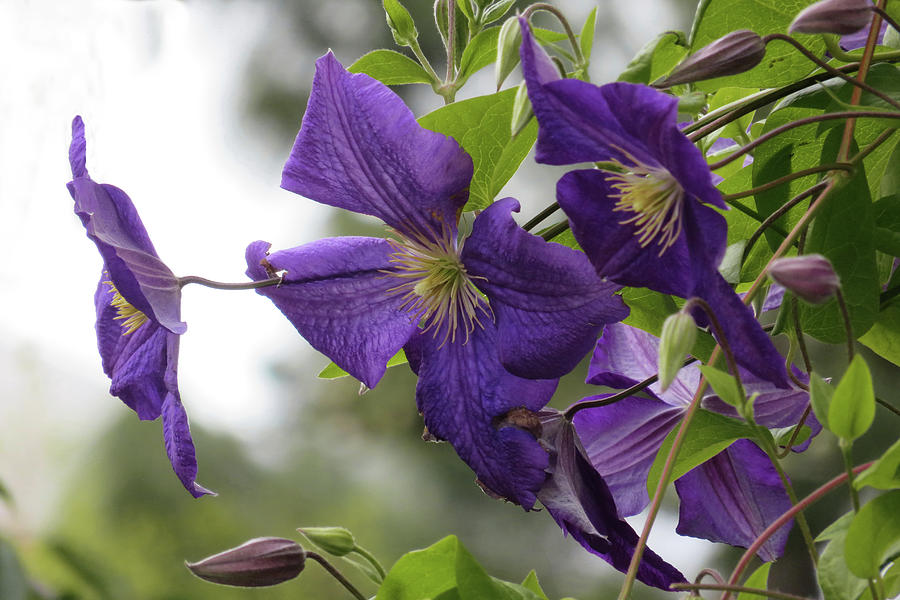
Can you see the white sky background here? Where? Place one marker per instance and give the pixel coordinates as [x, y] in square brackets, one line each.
[157, 84]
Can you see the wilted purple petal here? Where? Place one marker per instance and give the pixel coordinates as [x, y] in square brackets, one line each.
[621, 441]
[548, 301]
[464, 393]
[360, 148]
[753, 348]
[580, 502]
[336, 292]
[732, 498]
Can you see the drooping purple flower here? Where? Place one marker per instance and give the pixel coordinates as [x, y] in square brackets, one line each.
[138, 303]
[731, 498]
[580, 502]
[488, 324]
[650, 219]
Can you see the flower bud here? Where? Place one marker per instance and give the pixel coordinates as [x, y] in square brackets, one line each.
[400, 22]
[679, 332]
[522, 111]
[734, 53]
[809, 277]
[495, 10]
[833, 16]
[333, 540]
[508, 42]
[259, 562]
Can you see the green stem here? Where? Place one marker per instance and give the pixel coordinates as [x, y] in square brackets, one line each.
[217, 285]
[576, 47]
[848, 326]
[555, 230]
[755, 216]
[336, 574]
[790, 177]
[536, 220]
[847, 454]
[371, 560]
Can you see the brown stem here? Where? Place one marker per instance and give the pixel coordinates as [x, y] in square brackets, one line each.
[336, 574]
[735, 588]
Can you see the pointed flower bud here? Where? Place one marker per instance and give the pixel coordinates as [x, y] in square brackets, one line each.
[734, 53]
[401, 23]
[256, 563]
[809, 277]
[333, 540]
[522, 112]
[508, 42]
[833, 16]
[679, 332]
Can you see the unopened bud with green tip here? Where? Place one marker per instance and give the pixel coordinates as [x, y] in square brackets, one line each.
[679, 332]
[495, 10]
[508, 42]
[734, 53]
[809, 277]
[522, 111]
[257, 563]
[337, 541]
[400, 22]
[833, 16]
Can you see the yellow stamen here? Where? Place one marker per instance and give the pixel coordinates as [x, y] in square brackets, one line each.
[435, 286]
[656, 199]
[132, 318]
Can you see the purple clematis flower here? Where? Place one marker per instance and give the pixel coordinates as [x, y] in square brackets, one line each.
[580, 502]
[488, 326]
[650, 220]
[138, 302]
[731, 498]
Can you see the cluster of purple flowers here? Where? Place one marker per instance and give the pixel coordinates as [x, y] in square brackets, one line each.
[489, 323]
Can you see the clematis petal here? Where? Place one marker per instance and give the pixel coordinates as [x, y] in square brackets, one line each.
[621, 440]
[752, 347]
[137, 375]
[626, 355]
[465, 395]
[548, 302]
[579, 501]
[732, 498]
[176, 431]
[113, 224]
[615, 249]
[360, 148]
[337, 293]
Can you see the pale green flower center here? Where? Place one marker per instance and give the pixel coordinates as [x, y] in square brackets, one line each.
[435, 286]
[655, 199]
[131, 317]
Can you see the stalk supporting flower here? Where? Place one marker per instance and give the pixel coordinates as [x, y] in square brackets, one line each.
[138, 304]
[488, 323]
[652, 222]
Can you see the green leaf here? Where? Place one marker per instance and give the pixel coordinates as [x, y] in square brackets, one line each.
[496, 10]
[874, 535]
[884, 336]
[724, 385]
[648, 312]
[400, 22]
[707, 435]
[390, 68]
[884, 474]
[887, 225]
[13, 582]
[736, 129]
[586, 39]
[835, 579]
[758, 579]
[820, 395]
[332, 371]
[852, 407]
[782, 64]
[656, 58]
[479, 53]
[481, 126]
[531, 582]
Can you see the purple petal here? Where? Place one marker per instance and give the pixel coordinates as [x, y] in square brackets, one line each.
[579, 501]
[615, 250]
[773, 298]
[360, 148]
[621, 440]
[752, 347]
[856, 40]
[548, 302]
[176, 431]
[136, 365]
[465, 395]
[113, 224]
[626, 355]
[732, 498]
[337, 293]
